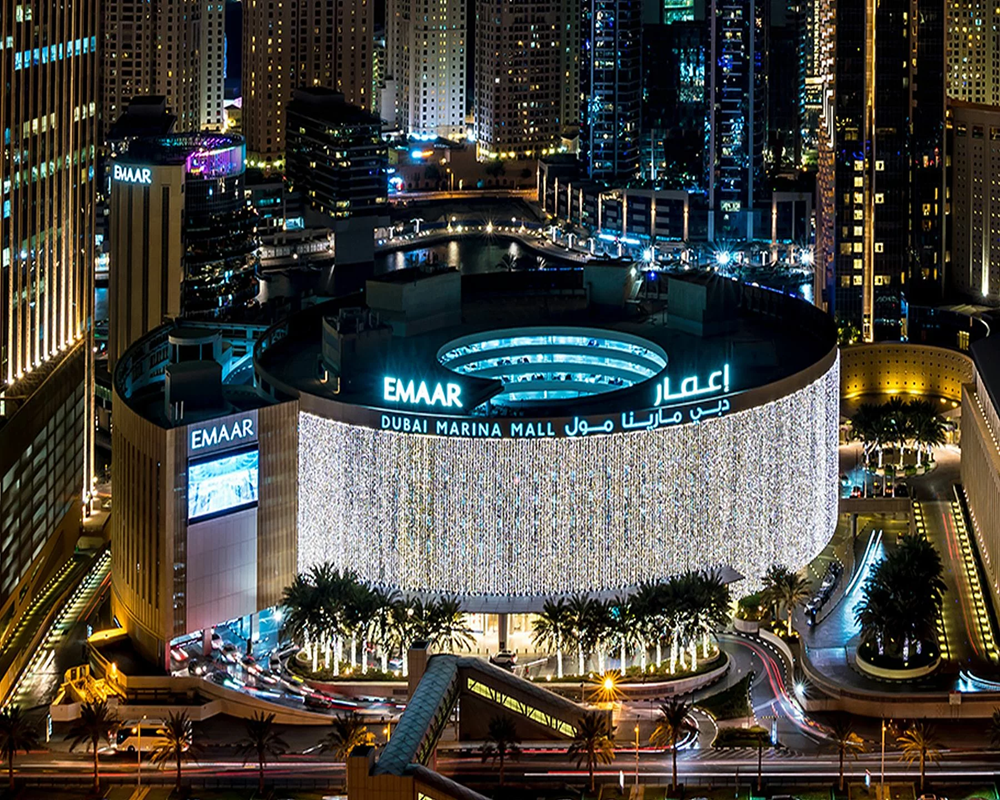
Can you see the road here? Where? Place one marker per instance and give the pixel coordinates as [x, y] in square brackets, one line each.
[540, 766]
[63, 644]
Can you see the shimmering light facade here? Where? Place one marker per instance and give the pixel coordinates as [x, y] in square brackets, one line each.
[503, 518]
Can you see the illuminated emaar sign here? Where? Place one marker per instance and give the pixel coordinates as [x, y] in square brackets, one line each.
[691, 389]
[143, 175]
[234, 432]
[445, 395]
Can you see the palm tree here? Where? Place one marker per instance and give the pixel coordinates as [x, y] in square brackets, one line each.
[593, 742]
[866, 425]
[553, 628]
[598, 626]
[793, 591]
[994, 729]
[902, 598]
[624, 625]
[898, 421]
[919, 741]
[647, 605]
[96, 723]
[773, 581]
[16, 733]
[710, 607]
[501, 741]
[580, 610]
[448, 627]
[671, 726]
[262, 741]
[303, 615]
[346, 733]
[177, 736]
[926, 427]
[846, 741]
[381, 622]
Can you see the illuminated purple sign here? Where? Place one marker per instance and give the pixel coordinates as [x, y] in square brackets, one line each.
[218, 159]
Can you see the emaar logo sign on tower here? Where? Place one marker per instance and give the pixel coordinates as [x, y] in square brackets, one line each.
[229, 432]
[445, 395]
[143, 175]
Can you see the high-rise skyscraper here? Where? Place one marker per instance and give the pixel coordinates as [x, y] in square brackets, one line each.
[974, 223]
[527, 75]
[737, 108]
[50, 63]
[887, 160]
[427, 59]
[183, 241]
[336, 157]
[175, 49]
[611, 88]
[973, 51]
[288, 45]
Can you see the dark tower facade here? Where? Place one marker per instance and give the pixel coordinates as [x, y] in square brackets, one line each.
[737, 129]
[887, 159]
[611, 88]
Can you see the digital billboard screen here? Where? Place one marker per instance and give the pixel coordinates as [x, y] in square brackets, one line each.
[222, 484]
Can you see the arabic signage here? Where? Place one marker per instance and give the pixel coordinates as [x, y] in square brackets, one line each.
[718, 382]
[572, 427]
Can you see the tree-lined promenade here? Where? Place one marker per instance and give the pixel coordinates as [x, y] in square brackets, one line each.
[667, 625]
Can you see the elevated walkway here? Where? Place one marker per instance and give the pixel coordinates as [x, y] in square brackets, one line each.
[438, 684]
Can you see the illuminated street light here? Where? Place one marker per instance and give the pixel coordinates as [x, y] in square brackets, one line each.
[723, 257]
[606, 687]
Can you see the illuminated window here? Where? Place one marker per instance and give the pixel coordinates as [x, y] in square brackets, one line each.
[857, 280]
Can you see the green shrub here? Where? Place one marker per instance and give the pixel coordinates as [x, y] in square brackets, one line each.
[731, 703]
[751, 608]
[742, 737]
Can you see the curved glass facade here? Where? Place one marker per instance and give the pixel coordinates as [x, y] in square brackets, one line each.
[555, 363]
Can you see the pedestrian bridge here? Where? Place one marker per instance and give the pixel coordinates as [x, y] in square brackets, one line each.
[439, 683]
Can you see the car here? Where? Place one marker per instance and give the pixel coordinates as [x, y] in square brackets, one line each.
[318, 701]
[248, 659]
[505, 659]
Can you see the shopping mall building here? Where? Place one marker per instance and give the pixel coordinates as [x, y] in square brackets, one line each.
[505, 438]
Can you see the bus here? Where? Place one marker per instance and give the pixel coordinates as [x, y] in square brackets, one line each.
[133, 734]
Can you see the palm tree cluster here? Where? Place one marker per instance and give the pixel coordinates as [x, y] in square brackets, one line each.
[901, 600]
[784, 589]
[679, 613]
[326, 608]
[899, 425]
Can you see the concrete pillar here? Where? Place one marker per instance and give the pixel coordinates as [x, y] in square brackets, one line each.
[502, 630]
[206, 641]
[416, 664]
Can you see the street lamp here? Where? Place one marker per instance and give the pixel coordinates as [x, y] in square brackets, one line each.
[636, 755]
[138, 759]
[882, 782]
